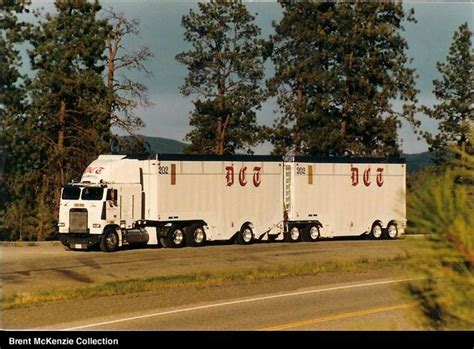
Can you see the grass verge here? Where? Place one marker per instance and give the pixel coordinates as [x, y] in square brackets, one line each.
[202, 279]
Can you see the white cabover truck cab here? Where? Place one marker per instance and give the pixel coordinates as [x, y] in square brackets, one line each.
[185, 200]
[103, 207]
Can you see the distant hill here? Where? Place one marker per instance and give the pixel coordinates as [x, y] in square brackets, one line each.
[416, 162]
[161, 145]
[164, 145]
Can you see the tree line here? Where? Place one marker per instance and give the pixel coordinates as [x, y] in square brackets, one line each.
[61, 115]
[341, 79]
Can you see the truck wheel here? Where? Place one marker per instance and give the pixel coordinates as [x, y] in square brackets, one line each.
[195, 235]
[376, 232]
[311, 233]
[245, 235]
[294, 235]
[174, 238]
[392, 231]
[109, 241]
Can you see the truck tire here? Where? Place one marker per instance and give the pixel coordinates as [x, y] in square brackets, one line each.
[195, 235]
[245, 235]
[391, 231]
[311, 233]
[294, 235]
[109, 241]
[175, 238]
[376, 232]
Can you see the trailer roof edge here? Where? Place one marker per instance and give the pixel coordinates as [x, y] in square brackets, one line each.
[275, 158]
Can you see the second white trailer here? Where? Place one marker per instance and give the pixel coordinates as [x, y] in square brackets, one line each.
[330, 197]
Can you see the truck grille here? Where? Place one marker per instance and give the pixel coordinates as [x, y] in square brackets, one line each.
[78, 220]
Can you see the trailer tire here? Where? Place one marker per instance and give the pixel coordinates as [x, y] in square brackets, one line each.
[376, 232]
[195, 235]
[109, 241]
[311, 233]
[391, 231]
[175, 238]
[245, 236]
[294, 235]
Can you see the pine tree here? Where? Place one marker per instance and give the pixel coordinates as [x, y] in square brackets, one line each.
[68, 123]
[440, 206]
[455, 95]
[126, 94]
[225, 69]
[339, 66]
[301, 52]
[14, 165]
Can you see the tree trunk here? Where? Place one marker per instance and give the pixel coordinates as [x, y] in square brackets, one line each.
[298, 112]
[346, 105]
[60, 152]
[222, 122]
[218, 136]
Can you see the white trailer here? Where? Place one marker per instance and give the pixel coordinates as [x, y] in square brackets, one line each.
[186, 200]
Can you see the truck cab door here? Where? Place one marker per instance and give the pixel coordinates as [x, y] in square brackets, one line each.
[112, 209]
[130, 204]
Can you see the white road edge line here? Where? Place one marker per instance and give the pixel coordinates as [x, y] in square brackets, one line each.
[239, 302]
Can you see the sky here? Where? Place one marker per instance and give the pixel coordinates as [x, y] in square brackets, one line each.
[160, 29]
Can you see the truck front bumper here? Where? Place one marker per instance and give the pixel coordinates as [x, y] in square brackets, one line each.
[79, 240]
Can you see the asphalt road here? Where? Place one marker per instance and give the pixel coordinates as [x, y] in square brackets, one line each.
[335, 300]
[367, 305]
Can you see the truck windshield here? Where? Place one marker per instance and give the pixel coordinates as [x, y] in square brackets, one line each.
[92, 193]
[71, 193]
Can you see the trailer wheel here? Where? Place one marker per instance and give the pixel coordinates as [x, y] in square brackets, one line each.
[376, 232]
[174, 238]
[245, 235]
[109, 241]
[195, 235]
[294, 235]
[392, 231]
[311, 233]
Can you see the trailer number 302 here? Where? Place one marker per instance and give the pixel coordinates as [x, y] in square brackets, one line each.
[300, 170]
[163, 169]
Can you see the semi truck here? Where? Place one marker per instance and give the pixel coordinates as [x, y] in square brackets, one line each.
[177, 200]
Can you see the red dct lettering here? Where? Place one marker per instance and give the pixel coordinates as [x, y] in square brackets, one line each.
[229, 176]
[242, 179]
[354, 176]
[367, 177]
[379, 177]
[256, 176]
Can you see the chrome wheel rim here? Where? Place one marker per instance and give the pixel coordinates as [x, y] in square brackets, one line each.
[294, 233]
[377, 231]
[111, 240]
[178, 237]
[198, 235]
[392, 231]
[247, 235]
[314, 233]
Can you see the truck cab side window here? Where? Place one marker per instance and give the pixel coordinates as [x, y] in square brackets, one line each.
[112, 197]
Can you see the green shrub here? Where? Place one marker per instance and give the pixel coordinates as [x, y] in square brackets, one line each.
[440, 206]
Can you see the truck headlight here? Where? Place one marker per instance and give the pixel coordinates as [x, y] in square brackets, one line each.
[61, 225]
